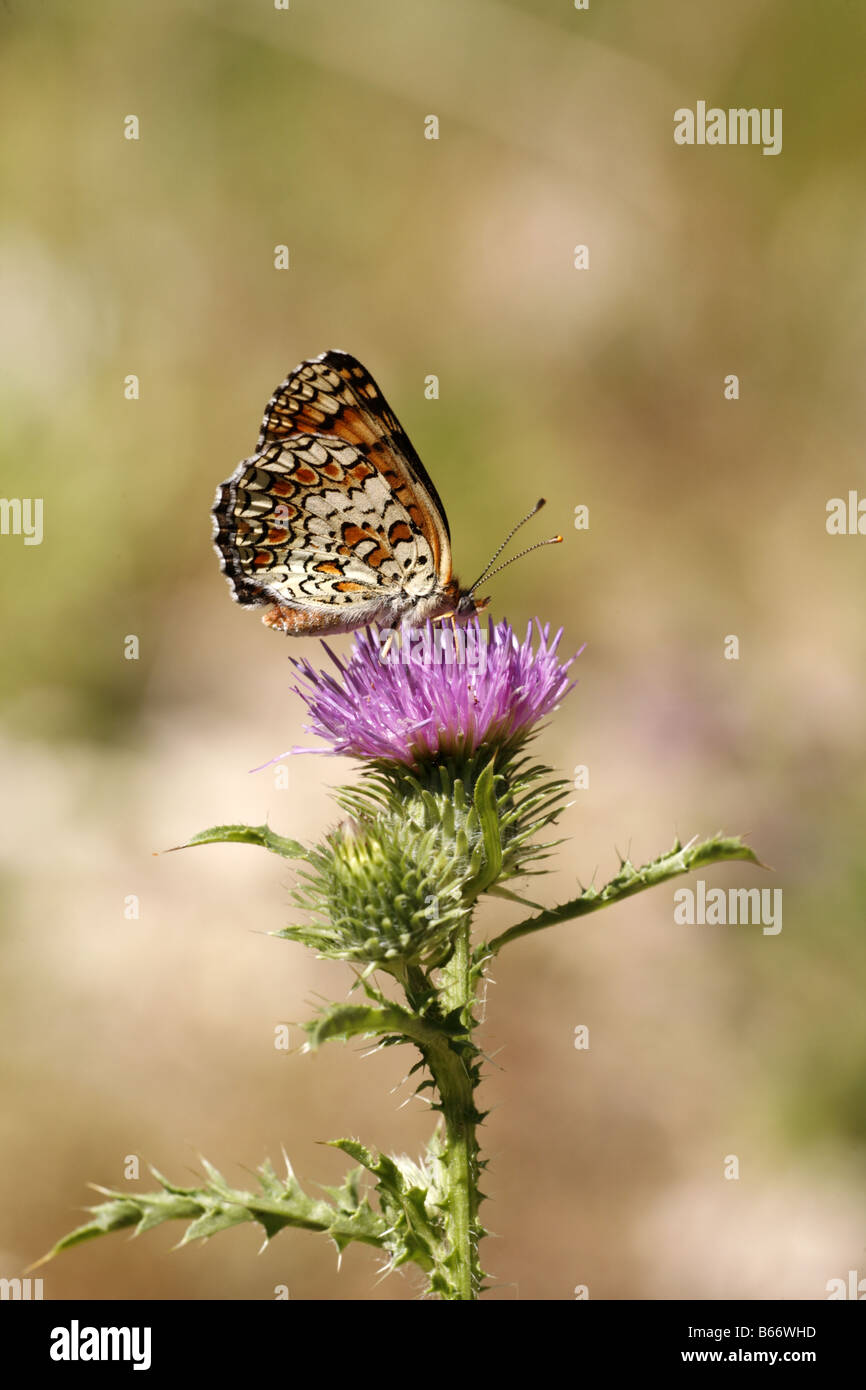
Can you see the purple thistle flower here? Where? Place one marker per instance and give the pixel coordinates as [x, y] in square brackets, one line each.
[412, 704]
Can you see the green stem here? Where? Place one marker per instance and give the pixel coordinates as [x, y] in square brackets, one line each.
[455, 1072]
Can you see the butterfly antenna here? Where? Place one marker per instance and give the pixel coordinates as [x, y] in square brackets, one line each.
[488, 574]
[542, 501]
[489, 570]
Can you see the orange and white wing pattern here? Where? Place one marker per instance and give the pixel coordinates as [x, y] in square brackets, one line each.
[334, 522]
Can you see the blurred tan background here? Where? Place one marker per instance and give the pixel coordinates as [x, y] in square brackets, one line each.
[601, 387]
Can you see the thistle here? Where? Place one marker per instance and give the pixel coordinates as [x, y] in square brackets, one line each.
[449, 807]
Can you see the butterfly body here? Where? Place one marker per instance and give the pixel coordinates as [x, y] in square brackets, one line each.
[333, 523]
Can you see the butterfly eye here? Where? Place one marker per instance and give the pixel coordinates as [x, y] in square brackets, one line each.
[469, 606]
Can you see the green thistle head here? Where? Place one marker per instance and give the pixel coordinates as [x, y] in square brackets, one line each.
[381, 893]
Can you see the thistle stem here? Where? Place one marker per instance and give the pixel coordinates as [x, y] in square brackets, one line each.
[455, 1072]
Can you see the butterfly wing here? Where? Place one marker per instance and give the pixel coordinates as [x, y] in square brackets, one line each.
[334, 515]
[334, 394]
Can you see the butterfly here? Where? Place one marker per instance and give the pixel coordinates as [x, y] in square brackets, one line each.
[334, 523]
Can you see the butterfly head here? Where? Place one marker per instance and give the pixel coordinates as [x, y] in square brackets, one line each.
[457, 604]
[468, 606]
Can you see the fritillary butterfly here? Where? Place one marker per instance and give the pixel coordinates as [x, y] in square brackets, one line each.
[333, 523]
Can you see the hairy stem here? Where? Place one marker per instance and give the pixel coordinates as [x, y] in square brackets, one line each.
[455, 1073]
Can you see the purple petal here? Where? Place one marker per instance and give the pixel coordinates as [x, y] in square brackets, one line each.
[417, 704]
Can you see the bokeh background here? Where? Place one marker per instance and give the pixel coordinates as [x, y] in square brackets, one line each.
[601, 387]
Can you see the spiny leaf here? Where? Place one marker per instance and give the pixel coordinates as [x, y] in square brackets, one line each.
[354, 1020]
[215, 1207]
[261, 835]
[408, 1197]
[487, 864]
[681, 859]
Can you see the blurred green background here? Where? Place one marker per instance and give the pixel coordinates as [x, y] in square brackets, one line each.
[601, 387]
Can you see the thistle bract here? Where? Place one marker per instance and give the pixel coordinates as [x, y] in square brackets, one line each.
[382, 893]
